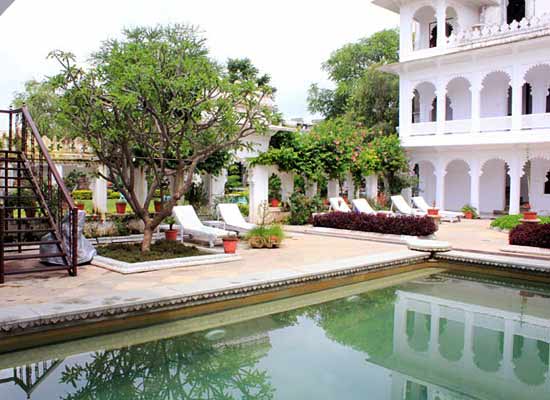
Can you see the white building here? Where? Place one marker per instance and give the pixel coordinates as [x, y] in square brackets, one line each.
[475, 104]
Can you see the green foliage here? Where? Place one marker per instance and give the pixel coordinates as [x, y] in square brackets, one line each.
[244, 209]
[82, 195]
[469, 208]
[362, 92]
[112, 194]
[161, 250]
[274, 185]
[170, 221]
[509, 222]
[72, 179]
[303, 207]
[266, 232]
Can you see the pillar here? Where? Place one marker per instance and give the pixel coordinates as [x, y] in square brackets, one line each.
[140, 185]
[216, 188]
[311, 189]
[434, 329]
[99, 192]
[287, 185]
[476, 87]
[468, 357]
[405, 34]
[440, 173]
[406, 96]
[517, 98]
[333, 188]
[441, 16]
[59, 168]
[258, 181]
[475, 176]
[441, 94]
[540, 91]
[350, 184]
[515, 173]
[508, 349]
[371, 186]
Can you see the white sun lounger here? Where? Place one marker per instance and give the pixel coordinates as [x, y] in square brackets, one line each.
[233, 219]
[450, 216]
[338, 204]
[399, 204]
[191, 225]
[363, 206]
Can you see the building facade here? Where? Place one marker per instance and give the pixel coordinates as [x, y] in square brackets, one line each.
[475, 101]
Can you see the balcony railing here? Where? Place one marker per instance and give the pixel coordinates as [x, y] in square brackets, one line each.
[480, 33]
[458, 126]
[495, 124]
[536, 121]
[423, 128]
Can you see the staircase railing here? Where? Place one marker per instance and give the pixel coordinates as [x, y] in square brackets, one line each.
[22, 137]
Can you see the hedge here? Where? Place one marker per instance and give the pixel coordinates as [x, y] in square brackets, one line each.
[86, 194]
[395, 225]
[534, 235]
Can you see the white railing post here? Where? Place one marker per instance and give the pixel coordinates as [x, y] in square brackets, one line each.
[441, 23]
[441, 94]
[517, 99]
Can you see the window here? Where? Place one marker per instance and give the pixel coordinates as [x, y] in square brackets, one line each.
[547, 184]
[515, 10]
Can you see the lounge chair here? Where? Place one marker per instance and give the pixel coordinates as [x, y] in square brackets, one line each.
[191, 225]
[450, 216]
[400, 205]
[363, 206]
[338, 204]
[233, 219]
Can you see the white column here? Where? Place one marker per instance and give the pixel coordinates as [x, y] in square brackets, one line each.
[475, 176]
[333, 188]
[287, 185]
[405, 34]
[440, 173]
[508, 349]
[59, 168]
[99, 192]
[434, 330]
[311, 189]
[371, 186]
[217, 186]
[258, 180]
[515, 172]
[517, 98]
[441, 23]
[405, 116]
[441, 94]
[350, 186]
[140, 185]
[468, 357]
[476, 103]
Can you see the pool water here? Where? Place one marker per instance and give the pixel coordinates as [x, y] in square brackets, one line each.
[448, 335]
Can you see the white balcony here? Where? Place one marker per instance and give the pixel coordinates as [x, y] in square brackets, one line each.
[423, 128]
[536, 121]
[458, 126]
[495, 124]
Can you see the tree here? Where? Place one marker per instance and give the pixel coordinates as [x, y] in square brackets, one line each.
[154, 101]
[361, 92]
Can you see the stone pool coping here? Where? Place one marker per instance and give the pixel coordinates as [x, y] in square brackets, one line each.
[22, 319]
[357, 235]
[122, 267]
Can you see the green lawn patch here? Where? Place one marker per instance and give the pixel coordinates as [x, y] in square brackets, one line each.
[161, 250]
[509, 222]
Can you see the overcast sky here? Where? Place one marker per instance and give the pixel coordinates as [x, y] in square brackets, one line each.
[288, 39]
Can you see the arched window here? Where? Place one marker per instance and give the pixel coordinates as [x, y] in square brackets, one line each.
[515, 10]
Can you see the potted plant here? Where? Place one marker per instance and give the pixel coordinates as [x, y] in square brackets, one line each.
[230, 244]
[433, 211]
[120, 207]
[265, 237]
[171, 234]
[80, 206]
[530, 215]
[274, 202]
[469, 212]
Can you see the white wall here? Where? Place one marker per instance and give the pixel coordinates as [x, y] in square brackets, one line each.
[539, 201]
[457, 185]
[460, 96]
[541, 7]
[494, 96]
[427, 181]
[492, 186]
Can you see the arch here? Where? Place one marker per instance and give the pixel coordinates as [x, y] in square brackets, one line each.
[515, 11]
[494, 184]
[536, 183]
[418, 330]
[460, 98]
[536, 89]
[457, 184]
[452, 22]
[530, 360]
[488, 348]
[451, 339]
[496, 95]
[424, 94]
[423, 23]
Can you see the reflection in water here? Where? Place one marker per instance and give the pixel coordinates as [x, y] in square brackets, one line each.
[416, 341]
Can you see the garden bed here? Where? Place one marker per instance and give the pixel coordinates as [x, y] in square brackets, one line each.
[509, 222]
[165, 257]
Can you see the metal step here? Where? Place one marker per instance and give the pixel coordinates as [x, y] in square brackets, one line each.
[31, 256]
[36, 243]
[23, 231]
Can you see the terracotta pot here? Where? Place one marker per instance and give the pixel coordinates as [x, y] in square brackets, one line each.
[275, 242]
[530, 215]
[230, 245]
[80, 206]
[325, 202]
[120, 208]
[171, 235]
[275, 203]
[158, 206]
[433, 211]
[468, 215]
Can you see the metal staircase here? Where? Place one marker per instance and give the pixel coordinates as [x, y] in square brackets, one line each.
[35, 206]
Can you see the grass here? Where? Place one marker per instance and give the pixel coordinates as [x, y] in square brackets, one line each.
[509, 222]
[162, 250]
[267, 232]
[111, 206]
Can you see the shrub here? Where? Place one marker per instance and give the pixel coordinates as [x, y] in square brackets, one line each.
[113, 194]
[398, 225]
[83, 194]
[244, 209]
[303, 207]
[534, 235]
[509, 222]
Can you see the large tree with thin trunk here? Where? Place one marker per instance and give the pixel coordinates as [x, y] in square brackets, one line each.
[155, 101]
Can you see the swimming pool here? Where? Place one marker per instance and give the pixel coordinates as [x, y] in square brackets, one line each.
[429, 334]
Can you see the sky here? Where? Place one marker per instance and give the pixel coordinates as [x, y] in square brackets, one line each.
[288, 39]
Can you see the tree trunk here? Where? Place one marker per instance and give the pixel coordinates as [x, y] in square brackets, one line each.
[147, 238]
